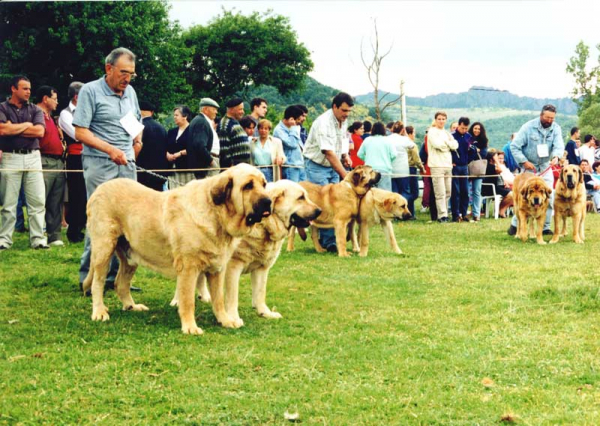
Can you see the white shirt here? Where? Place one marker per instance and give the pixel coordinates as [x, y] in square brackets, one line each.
[326, 134]
[587, 153]
[65, 121]
[216, 148]
[402, 144]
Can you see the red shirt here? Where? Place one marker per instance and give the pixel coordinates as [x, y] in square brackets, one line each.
[51, 143]
[357, 141]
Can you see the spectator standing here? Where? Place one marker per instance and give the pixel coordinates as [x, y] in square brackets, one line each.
[267, 152]
[326, 151]
[441, 143]
[52, 150]
[480, 143]
[233, 141]
[400, 166]
[511, 164]
[247, 123]
[303, 132]
[288, 132]
[356, 130]
[21, 127]
[572, 147]
[110, 146]
[460, 170]
[177, 146]
[367, 126]
[258, 108]
[203, 144]
[587, 150]
[379, 153]
[414, 163]
[76, 214]
[537, 146]
[154, 152]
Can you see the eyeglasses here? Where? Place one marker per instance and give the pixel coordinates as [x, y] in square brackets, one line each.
[124, 73]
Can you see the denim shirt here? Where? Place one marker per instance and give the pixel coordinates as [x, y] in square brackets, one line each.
[524, 145]
[292, 144]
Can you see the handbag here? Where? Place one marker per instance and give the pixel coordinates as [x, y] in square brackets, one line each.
[477, 167]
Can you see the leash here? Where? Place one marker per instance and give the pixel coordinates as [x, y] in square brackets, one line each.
[156, 175]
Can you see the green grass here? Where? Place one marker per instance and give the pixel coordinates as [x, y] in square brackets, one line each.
[384, 340]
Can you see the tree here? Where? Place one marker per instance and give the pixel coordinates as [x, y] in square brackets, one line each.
[235, 52]
[373, 67]
[56, 43]
[586, 90]
[589, 120]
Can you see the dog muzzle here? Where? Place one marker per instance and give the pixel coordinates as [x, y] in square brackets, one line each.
[261, 209]
[304, 222]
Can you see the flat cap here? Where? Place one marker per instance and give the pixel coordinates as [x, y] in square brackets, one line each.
[208, 102]
[234, 102]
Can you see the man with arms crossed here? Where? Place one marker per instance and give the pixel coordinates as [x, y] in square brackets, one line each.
[326, 152]
[109, 150]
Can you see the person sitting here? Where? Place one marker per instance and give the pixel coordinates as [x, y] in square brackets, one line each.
[493, 177]
[267, 152]
[592, 185]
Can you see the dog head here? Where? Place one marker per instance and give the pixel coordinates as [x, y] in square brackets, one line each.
[362, 178]
[291, 204]
[536, 193]
[241, 189]
[571, 175]
[390, 205]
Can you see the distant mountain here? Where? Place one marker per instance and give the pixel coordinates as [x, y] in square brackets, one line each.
[481, 97]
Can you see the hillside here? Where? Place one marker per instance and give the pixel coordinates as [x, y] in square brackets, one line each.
[482, 97]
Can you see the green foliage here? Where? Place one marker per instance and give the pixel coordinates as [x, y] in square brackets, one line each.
[382, 340]
[589, 120]
[56, 43]
[586, 90]
[235, 52]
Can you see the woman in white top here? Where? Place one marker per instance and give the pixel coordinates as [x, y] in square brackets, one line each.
[400, 166]
[267, 152]
[177, 140]
[440, 143]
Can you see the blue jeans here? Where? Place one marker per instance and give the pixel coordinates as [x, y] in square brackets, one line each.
[96, 171]
[295, 174]
[385, 182]
[268, 172]
[476, 191]
[460, 192]
[322, 175]
[402, 186]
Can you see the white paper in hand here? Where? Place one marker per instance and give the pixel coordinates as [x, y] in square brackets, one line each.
[131, 125]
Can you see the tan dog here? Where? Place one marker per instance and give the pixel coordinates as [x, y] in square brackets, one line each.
[570, 201]
[532, 196]
[339, 204]
[379, 207]
[257, 252]
[180, 233]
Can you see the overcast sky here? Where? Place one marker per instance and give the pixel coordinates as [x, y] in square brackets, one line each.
[438, 46]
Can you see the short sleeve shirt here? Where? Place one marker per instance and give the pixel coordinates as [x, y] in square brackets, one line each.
[100, 110]
[326, 134]
[28, 113]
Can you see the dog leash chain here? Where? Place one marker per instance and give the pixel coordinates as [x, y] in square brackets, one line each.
[151, 173]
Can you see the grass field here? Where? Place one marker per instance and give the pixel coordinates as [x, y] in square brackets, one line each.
[470, 326]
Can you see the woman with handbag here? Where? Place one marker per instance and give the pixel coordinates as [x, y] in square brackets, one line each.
[477, 166]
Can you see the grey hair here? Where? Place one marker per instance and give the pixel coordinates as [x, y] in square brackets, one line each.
[74, 89]
[114, 56]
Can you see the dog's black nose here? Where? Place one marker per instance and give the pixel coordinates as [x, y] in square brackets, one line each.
[264, 206]
[316, 214]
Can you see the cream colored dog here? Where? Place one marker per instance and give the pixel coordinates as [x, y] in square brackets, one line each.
[180, 233]
[379, 207]
[258, 251]
[570, 201]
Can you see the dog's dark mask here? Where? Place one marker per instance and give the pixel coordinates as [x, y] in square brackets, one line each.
[260, 209]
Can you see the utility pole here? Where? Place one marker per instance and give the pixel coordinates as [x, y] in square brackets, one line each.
[403, 97]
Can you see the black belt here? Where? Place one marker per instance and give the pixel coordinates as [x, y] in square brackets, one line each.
[20, 151]
[56, 157]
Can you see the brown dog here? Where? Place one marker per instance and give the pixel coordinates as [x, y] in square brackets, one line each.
[180, 233]
[339, 205]
[532, 196]
[379, 207]
[570, 201]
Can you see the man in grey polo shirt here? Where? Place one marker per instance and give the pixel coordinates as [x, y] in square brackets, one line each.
[109, 150]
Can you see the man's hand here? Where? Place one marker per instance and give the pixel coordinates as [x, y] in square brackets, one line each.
[528, 166]
[554, 161]
[117, 156]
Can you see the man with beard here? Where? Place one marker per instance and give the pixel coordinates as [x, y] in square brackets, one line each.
[538, 145]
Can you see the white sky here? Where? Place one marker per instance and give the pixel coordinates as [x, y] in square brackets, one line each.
[438, 46]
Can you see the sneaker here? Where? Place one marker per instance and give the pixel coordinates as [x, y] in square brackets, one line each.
[547, 232]
[424, 209]
[57, 243]
[332, 248]
[475, 219]
[443, 220]
[21, 230]
[41, 246]
[512, 230]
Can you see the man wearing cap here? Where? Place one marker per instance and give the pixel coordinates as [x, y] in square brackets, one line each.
[234, 144]
[105, 109]
[203, 138]
[154, 154]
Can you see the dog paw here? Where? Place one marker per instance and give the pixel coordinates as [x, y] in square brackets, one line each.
[100, 314]
[232, 323]
[542, 242]
[174, 302]
[205, 298]
[270, 315]
[136, 307]
[553, 241]
[578, 241]
[345, 254]
[192, 329]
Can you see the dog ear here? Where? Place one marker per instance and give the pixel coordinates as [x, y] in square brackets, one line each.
[387, 204]
[548, 192]
[276, 194]
[562, 176]
[221, 192]
[356, 177]
[524, 192]
[580, 173]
